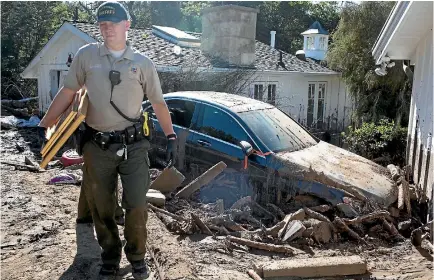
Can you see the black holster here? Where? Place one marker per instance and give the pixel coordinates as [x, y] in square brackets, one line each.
[82, 135]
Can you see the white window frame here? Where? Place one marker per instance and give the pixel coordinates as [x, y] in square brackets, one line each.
[264, 95]
[315, 121]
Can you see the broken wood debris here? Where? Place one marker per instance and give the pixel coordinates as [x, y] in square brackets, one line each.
[201, 225]
[368, 217]
[262, 246]
[20, 166]
[174, 216]
[248, 222]
[203, 179]
[340, 224]
[253, 274]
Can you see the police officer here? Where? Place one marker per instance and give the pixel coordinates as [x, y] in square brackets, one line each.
[116, 78]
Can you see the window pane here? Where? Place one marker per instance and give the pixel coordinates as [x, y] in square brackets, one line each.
[181, 112]
[271, 94]
[310, 106]
[310, 43]
[219, 124]
[320, 114]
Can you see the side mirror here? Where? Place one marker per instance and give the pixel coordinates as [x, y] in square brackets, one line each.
[246, 147]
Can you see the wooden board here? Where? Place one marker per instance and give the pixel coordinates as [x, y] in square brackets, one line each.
[69, 130]
[54, 132]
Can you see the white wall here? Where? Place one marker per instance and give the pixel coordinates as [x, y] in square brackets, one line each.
[55, 59]
[292, 97]
[421, 125]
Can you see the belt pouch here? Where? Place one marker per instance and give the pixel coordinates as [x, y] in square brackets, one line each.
[139, 135]
[130, 134]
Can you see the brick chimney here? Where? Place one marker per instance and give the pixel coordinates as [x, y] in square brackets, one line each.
[228, 32]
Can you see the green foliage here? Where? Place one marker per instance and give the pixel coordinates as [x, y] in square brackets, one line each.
[350, 52]
[374, 141]
[26, 27]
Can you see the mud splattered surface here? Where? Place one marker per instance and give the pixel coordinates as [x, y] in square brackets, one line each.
[40, 239]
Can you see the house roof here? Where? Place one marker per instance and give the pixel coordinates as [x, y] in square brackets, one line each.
[316, 28]
[161, 52]
[408, 22]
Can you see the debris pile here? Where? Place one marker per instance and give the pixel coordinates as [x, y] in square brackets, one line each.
[301, 220]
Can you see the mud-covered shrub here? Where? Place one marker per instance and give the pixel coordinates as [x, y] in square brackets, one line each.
[378, 141]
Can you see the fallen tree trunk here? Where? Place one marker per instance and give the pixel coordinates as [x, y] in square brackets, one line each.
[260, 245]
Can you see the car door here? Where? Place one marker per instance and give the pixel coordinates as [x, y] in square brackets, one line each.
[216, 135]
[182, 113]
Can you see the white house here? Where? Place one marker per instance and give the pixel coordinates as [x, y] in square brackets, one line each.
[408, 35]
[299, 85]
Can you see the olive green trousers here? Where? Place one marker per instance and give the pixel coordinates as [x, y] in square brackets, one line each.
[100, 178]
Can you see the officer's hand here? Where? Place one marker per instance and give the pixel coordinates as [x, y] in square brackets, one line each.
[171, 152]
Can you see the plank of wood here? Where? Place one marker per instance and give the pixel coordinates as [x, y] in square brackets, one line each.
[168, 180]
[203, 179]
[315, 267]
[67, 117]
[79, 118]
[57, 132]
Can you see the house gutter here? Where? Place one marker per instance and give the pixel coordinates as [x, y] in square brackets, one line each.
[389, 29]
[174, 69]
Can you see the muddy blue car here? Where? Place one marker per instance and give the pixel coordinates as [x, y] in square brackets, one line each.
[268, 154]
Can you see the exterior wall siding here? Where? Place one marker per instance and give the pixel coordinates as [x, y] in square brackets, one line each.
[292, 97]
[420, 129]
[67, 43]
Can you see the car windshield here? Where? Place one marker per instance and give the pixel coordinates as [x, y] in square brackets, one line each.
[277, 130]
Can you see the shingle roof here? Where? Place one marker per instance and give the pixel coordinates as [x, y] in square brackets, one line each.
[160, 51]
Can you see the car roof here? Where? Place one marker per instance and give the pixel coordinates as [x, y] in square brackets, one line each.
[233, 102]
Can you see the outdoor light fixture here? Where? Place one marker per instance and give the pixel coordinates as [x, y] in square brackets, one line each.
[382, 71]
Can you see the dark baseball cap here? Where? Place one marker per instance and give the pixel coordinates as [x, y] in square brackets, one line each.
[111, 11]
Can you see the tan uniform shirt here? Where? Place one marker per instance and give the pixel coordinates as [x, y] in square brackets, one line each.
[91, 66]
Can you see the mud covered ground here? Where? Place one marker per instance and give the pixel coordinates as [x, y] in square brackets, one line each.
[40, 239]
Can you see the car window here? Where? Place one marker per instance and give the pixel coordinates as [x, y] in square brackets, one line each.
[181, 112]
[277, 131]
[221, 125]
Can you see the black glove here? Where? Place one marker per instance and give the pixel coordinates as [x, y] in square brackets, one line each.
[42, 135]
[171, 151]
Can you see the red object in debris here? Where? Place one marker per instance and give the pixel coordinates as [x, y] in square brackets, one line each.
[71, 157]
